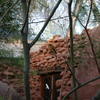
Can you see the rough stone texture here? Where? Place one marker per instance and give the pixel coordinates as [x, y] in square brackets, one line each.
[84, 64]
[35, 85]
[88, 68]
[7, 76]
[43, 58]
[8, 92]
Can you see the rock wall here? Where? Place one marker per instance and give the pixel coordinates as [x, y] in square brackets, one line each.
[44, 59]
[85, 66]
[8, 92]
[9, 76]
[88, 69]
[35, 85]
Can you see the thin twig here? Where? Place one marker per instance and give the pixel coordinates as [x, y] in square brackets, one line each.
[42, 21]
[42, 4]
[72, 73]
[6, 93]
[91, 44]
[50, 20]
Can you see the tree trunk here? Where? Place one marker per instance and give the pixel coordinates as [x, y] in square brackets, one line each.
[74, 19]
[26, 46]
[26, 50]
[26, 70]
[71, 47]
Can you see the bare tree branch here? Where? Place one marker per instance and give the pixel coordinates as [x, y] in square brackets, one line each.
[90, 38]
[85, 27]
[76, 88]
[89, 14]
[42, 4]
[72, 73]
[50, 20]
[46, 23]
[91, 44]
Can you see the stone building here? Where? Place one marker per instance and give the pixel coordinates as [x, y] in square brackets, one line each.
[50, 76]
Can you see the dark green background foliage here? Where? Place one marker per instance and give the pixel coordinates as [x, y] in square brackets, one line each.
[10, 24]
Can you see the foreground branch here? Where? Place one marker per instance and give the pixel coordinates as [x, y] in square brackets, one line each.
[71, 47]
[46, 23]
[91, 44]
[73, 75]
[76, 88]
[90, 40]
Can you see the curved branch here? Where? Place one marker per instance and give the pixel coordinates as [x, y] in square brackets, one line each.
[76, 88]
[50, 20]
[91, 44]
[46, 23]
[89, 14]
